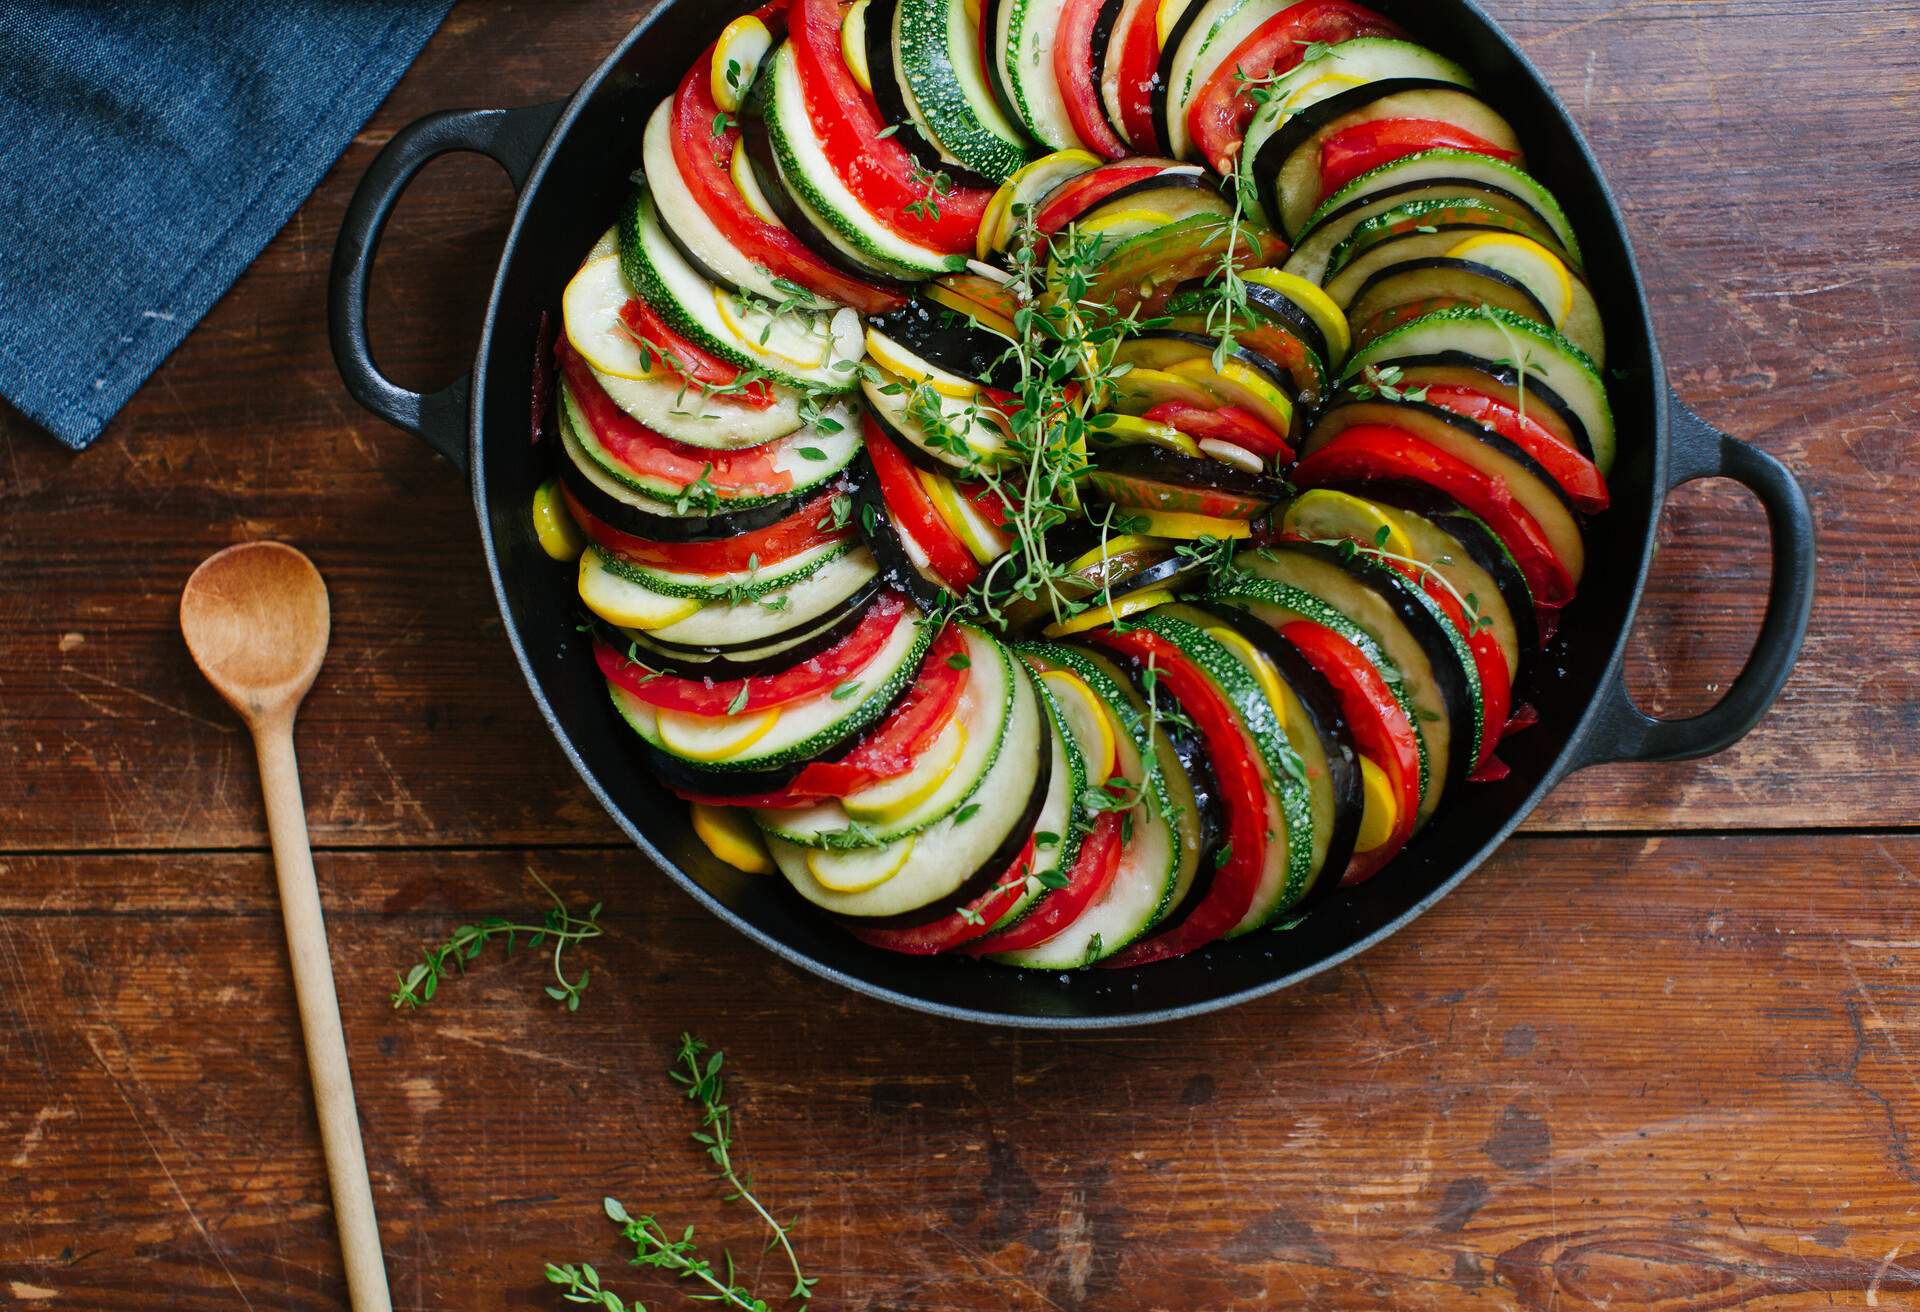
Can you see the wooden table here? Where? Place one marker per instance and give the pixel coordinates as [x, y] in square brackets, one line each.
[1660, 1053]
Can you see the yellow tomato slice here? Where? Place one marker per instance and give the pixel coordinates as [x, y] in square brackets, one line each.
[620, 601]
[1185, 526]
[1131, 603]
[1323, 514]
[1381, 811]
[737, 54]
[858, 871]
[714, 737]
[1258, 665]
[1528, 263]
[1329, 318]
[553, 524]
[1087, 720]
[730, 836]
[892, 798]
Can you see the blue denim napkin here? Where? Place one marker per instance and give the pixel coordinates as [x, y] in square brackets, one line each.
[148, 150]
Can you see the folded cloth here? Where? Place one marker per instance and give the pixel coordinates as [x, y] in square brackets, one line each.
[148, 150]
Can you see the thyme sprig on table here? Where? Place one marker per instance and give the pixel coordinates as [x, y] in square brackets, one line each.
[697, 1070]
[701, 1079]
[418, 985]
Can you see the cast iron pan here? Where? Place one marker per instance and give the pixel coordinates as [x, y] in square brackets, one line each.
[570, 162]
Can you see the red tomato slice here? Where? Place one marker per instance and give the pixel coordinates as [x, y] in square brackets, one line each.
[1134, 76]
[1381, 730]
[806, 527]
[1076, 196]
[1577, 476]
[1496, 687]
[705, 161]
[991, 504]
[740, 473]
[913, 511]
[1382, 451]
[1073, 62]
[810, 678]
[1347, 154]
[1217, 119]
[1242, 791]
[688, 360]
[1093, 870]
[887, 750]
[1227, 424]
[876, 168]
[970, 922]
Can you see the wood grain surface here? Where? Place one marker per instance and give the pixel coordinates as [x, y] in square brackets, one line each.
[1660, 1054]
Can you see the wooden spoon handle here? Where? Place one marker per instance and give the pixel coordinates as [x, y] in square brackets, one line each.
[320, 1020]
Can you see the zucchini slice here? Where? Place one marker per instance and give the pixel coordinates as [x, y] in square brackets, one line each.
[1287, 168]
[742, 584]
[1434, 174]
[1278, 604]
[1063, 823]
[932, 53]
[801, 731]
[1218, 29]
[811, 458]
[810, 179]
[983, 716]
[1288, 871]
[800, 349]
[1485, 450]
[1318, 731]
[1162, 838]
[1514, 343]
[697, 237]
[955, 860]
[1436, 670]
[729, 626]
[1022, 50]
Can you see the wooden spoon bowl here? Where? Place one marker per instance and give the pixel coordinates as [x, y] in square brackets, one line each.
[256, 619]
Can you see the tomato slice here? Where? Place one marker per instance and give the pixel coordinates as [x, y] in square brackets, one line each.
[1073, 70]
[687, 359]
[739, 473]
[1381, 730]
[705, 160]
[1076, 196]
[1242, 791]
[875, 167]
[1227, 424]
[1352, 151]
[887, 750]
[991, 504]
[806, 527]
[1382, 451]
[1093, 870]
[1217, 119]
[811, 677]
[970, 922]
[913, 511]
[1134, 72]
[1496, 687]
[1577, 476]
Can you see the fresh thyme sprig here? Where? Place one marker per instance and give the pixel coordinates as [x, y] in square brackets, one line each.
[418, 985]
[653, 1247]
[704, 1086]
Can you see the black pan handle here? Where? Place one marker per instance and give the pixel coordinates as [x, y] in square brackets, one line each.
[1622, 731]
[513, 139]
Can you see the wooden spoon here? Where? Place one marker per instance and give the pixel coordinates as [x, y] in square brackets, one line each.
[256, 619]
